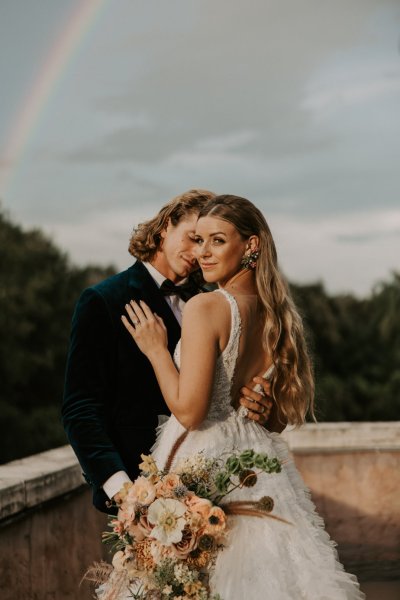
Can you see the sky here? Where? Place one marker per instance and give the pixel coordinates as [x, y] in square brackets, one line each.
[109, 108]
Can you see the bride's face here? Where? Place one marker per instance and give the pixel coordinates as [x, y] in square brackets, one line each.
[220, 248]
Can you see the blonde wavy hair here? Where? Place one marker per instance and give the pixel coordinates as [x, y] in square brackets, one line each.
[146, 237]
[283, 335]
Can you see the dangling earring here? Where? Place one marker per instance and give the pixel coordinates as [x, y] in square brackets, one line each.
[249, 261]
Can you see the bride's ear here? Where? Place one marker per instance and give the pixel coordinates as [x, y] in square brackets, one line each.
[253, 243]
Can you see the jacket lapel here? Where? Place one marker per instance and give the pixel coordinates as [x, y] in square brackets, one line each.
[148, 290]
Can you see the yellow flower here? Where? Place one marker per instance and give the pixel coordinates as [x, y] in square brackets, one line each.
[192, 587]
[123, 492]
[148, 465]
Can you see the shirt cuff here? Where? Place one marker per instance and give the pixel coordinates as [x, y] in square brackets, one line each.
[114, 483]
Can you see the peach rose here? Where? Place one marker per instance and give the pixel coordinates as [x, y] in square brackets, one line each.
[196, 522]
[165, 487]
[136, 532]
[126, 511]
[144, 525]
[187, 544]
[143, 491]
[199, 505]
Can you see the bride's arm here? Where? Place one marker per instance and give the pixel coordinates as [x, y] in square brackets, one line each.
[187, 393]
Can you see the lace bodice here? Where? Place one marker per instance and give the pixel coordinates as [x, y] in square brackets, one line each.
[220, 405]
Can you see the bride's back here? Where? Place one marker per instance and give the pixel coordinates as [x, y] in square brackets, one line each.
[252, 359]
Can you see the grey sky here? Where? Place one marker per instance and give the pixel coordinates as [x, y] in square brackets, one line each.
[293, 104]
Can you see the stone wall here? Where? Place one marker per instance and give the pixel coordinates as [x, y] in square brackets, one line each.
[355, 482]
[45, 552]
[50, 533]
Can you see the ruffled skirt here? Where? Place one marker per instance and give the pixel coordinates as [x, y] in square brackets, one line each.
[266, 559]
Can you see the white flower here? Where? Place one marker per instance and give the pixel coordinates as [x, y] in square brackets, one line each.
[167, 517]
[182, 573]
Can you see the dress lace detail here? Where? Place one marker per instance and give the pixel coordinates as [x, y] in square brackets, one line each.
[220, 404]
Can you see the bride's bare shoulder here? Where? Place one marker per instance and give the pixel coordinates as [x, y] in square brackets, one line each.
[208, 304]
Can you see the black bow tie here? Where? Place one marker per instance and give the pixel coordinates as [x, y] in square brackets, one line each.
[185, 290]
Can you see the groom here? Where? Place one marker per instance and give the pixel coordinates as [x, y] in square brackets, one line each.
[111, 397]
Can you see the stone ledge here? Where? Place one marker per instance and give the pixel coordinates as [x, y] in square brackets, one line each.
[344, 437]
[26, 482]
[30, 481]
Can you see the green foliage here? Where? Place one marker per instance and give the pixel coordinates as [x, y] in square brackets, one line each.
[38, 290]
[356, 349]
[355, 343]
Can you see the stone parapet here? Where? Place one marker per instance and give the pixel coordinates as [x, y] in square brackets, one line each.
[30, 481]
[343, 436]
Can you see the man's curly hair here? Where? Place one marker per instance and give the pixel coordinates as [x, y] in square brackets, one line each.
[146, 237]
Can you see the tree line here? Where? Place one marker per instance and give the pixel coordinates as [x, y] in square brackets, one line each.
[355, 343]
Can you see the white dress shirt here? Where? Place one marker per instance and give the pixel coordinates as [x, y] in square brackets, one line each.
[175, 302]
[114, 483]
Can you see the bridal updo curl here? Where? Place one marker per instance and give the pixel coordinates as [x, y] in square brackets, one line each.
[283, 335]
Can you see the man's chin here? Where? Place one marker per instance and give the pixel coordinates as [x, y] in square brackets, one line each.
[187, 270]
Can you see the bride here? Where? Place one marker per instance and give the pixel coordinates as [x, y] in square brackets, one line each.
[247, 327]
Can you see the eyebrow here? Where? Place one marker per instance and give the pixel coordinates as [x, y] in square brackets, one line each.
[215, 233]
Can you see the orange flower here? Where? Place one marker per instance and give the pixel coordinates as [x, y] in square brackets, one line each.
[198, 558]
[144, 555]
[216, 521]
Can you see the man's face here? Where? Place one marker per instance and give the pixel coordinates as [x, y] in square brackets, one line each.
[177, 256]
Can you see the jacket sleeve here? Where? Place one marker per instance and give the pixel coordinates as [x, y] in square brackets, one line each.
[88, 385]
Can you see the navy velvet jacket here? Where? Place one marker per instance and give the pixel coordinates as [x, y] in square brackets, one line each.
[112, 398]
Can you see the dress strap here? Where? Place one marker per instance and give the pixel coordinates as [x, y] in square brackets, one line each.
[230, 353]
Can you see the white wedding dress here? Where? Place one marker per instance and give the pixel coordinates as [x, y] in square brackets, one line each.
[263, 559]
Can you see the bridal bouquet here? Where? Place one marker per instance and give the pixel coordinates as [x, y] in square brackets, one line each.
[171, 525]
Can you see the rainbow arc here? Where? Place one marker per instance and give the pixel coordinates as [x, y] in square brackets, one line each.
[28, 118]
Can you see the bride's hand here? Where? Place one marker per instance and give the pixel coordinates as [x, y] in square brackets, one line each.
[146, 328]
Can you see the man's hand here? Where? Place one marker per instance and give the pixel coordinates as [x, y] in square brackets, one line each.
[258, 404]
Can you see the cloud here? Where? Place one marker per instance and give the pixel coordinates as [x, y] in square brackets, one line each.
[368, 236]
[293, 105]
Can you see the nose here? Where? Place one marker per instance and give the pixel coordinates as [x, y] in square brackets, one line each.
[204, 249]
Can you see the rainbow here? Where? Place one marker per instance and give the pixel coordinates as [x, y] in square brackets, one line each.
[28, 117]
